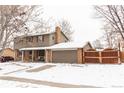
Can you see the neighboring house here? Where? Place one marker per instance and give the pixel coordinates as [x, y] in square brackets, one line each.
[7, 52]
[49, 47]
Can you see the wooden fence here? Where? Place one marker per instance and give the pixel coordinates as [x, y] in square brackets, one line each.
[110, 57]
[122, 56]
[91, 57]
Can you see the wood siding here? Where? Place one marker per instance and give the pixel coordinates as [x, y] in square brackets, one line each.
[23, 43]
[49, 39]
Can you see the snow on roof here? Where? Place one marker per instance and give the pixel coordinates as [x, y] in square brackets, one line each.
[99, 49]
[66, 45]
[33, 48]
[44, 33]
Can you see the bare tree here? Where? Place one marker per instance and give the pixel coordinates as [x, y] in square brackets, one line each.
[41, 26]
[36, 21]
[113, 16]
[97, 44]
[66, 28]
[13, 20]
[108, 36]
[111, 37]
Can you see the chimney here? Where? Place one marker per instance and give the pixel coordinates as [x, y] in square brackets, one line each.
[58, 35]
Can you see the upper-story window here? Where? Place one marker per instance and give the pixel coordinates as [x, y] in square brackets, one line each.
[29, 39]
[52, 37]
[21, 41]
[37, 39]
[41, 38]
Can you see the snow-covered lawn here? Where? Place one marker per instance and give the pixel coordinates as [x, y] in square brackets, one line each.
[13, 84]
[12, 66]
[99, 75]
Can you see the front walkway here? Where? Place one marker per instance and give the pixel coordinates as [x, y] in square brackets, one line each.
[40, 68]
[15, 71]
[41, 82]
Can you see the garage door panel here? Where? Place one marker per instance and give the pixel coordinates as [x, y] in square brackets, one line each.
[68, 56]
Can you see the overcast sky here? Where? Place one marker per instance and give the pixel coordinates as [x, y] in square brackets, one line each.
[81, 17]
[78, 12]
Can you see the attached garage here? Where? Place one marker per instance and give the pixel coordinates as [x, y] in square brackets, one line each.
[62, 56]
[69, 52]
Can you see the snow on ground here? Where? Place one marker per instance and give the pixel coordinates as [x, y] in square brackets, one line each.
[99, 75]
[8, 67]
[13, 84]
[14, 66]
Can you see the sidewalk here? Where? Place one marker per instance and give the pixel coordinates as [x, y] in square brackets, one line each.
[47, 83]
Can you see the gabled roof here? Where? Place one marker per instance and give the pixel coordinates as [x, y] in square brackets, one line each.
[36, 34]
[40, 34]
[66, 45]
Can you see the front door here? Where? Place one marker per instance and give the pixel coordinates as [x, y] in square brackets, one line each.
[41, 55]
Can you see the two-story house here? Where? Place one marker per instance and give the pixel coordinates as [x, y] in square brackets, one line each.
[38, 40]
[48, 47]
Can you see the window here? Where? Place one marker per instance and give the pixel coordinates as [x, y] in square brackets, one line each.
[21, 41]
[29, 39]
[30, 52]
[52, 37]
[41, 52]
[41, 38]
[37, 39]
[19, 53]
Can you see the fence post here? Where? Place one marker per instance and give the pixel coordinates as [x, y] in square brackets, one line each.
[100, 56]
[119, 57]
[83, 56]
